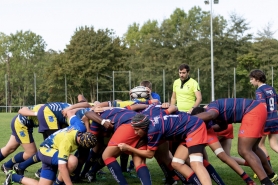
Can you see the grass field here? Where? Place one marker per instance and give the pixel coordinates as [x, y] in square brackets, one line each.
[227, 174]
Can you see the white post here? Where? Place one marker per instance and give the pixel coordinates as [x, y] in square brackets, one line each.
[113, 87]
[234, 82]
[211, 53]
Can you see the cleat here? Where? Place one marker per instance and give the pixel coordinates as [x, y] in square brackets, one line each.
[18, 170]
[38, 174]
[131, 166]
[255, 176]
[5, 169]
[129, 175]
[100, 172]
[91, 177]
[8, 180]
[274, 179]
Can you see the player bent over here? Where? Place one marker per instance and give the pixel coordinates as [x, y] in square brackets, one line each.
[179, 127]
[252, 115]
[55, 154]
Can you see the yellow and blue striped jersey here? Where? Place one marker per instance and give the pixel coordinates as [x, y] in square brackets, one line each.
[30, 121]
[64, 140]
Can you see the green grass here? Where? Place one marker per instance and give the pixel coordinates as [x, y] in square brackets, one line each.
[227, 174]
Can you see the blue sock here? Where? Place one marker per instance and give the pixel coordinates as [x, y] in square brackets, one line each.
[1, 156]
[57, 182]
[115, 169]
[193, 179]
[32, 160]
[213, 174]
[17, 178]
[144, 174]
[16, 159]
[89, 162]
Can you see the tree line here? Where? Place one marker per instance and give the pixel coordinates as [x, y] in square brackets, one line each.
[152, 51]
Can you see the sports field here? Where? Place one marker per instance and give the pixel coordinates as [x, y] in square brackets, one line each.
[227, 174]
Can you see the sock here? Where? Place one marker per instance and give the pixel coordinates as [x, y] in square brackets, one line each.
[181, 177]
[266, 181]
[246, 163]
[124, 161]
[144, 174]
[89, 163]
[115, 169]
[246, 177]
[97, 165]
[1, 156]
[165, 170]
[75, 174]
[58, 182]
[213, 174]
[131, 165]
[193, 179]
[271, 175]
[17, 178]
[174, 173]
[32, 160]
[268, 160]
[16, 159]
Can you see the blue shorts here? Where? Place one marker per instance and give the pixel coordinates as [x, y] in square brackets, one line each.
[22, 134]
[49, 159]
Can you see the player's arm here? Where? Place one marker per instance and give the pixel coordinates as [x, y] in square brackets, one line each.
[207, 116]
[25, 111]
[96, 118]
[143, 153]
[72, 112]
[63, 169]
[86, 121]
[173, 98]
[77, 105]
[136, 107]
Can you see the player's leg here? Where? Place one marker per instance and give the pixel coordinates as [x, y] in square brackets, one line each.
[13, 177]
[178, 164]
[109, 157]
[71, 165]
[164, 158]
[273, 141]
[10, 147]
[221, 154]
[142, 170]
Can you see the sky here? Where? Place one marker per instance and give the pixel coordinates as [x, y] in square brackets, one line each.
[56, 20]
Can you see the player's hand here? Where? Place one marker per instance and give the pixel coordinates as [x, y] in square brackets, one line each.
[98, 109]
[165, 105]
[123, 147]
[189, 112]
[149, 90]
[64, 112]
[108, 125]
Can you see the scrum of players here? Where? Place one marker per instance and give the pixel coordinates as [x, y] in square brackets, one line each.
[81, 139]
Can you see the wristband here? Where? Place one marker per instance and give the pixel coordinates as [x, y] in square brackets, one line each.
[35, 113]
[167, 112]
[103, 121]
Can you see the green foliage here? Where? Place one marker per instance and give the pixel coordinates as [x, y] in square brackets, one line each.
[94, 60]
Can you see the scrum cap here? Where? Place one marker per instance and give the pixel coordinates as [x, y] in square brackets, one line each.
[140, 121]
[87, 140]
